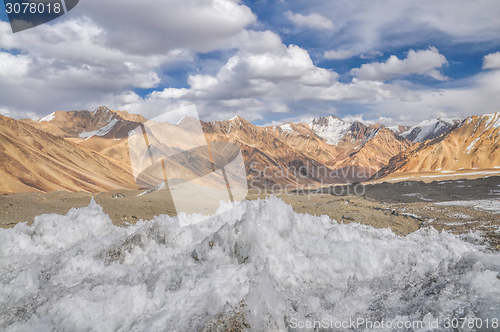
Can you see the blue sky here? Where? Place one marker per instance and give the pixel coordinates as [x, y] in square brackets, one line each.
[389, 61]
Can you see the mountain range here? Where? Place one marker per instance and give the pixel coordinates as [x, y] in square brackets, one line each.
[471, 144]
[88, 150]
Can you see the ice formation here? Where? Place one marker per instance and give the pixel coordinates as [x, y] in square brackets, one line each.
[257, 267]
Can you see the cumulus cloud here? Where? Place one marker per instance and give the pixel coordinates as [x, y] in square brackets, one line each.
[423, 62]
[314, 21]
[104, 51]
[69, 64]
[364, 26]
[338, 55]
[492, 61]
[279, 107]
[13, 67]
[158, 26]
[270, 79]
[477, 95]
[107, 48]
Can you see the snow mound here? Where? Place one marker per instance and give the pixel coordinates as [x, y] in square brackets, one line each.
[257, 267]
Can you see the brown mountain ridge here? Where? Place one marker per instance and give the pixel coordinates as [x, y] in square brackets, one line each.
[88, 150]
[34, 160]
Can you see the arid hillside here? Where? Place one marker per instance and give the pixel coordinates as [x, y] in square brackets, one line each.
[34, 160]
[472, 144]
[90, 150]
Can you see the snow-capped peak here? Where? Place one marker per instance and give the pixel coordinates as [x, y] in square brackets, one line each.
[330, 128]
[428, 129]
[287, 128]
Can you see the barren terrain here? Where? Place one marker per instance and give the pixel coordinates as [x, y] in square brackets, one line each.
[404, 207]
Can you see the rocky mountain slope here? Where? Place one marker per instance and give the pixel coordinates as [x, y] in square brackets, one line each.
[349, 148]
[472, 144]
[101, 122]
[34, 160]
[287, 155]
[270, 161]
[100, 130]
[428, 129]
[325, 151]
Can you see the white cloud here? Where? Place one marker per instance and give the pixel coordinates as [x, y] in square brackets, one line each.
[257, 42]
[69, 64]
[364, 26]
[371, 55]
[101, 52]
[423, 62]
[13, 68]
[356, 117]
[477, 95]
[158, 26]
[294, 64]
[314, 21]
[492, 61]
[270, 79]
[338, 55]
[107, 48]
[278, 107]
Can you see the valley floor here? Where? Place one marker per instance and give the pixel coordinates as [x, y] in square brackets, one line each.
[459, 206]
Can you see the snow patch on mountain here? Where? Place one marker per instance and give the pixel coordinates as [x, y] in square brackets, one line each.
[493, 120]
[49, 117]
[394, 129]
[427, 129]
[100, 132]
[330, 128]
[287, 128]
[472, 145]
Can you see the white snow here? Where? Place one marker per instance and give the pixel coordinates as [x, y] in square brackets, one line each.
[49, 117]
[333, 132]
[459, 216]
[394, 129]
[373, 133]
[88, 134]
[96, 109]
[286, 128]
[427, 128]
[493, 120]
[100, 132]
[471, 146]
[80, 273]
[490, 205]
[155, 188]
